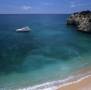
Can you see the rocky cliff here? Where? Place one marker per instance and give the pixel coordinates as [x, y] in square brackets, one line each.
[82, 20]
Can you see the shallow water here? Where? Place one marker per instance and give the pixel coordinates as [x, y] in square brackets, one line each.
[51, 51]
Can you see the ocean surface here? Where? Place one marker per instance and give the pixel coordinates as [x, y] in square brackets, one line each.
[51, 51]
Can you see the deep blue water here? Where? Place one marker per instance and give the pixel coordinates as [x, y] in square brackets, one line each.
[51, 51]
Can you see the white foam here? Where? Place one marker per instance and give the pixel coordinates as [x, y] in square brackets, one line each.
[48, 85]
[50, 88]
[55, 84]
[74, 82]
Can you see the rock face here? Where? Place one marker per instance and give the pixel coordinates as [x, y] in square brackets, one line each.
[82, 20]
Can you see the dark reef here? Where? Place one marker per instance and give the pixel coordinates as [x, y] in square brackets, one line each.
[82, 20]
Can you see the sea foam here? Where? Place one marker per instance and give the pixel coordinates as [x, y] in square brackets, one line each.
[55, 84]
[48, 85]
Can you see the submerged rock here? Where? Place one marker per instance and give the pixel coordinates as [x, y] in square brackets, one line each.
[82, 20]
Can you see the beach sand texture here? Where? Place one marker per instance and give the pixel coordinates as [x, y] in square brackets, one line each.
[81, 84]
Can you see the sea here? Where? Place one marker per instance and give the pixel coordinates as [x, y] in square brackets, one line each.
[44, 57]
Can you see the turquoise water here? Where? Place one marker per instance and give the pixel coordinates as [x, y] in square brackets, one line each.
[51, 51]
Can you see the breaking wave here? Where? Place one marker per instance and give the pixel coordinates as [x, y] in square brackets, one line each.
[55, 84]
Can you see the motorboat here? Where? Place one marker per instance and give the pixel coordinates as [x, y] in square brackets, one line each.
[24, 29]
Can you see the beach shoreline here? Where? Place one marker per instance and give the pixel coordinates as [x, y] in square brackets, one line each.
[80, 84]
[83, 82]
[78, 81]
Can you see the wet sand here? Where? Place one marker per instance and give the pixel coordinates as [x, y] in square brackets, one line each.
[83, 83]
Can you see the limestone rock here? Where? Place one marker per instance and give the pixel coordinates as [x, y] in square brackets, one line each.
[82, 20]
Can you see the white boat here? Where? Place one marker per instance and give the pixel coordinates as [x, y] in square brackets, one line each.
[24, 29]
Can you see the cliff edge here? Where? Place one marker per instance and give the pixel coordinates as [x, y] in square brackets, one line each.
[82, 20]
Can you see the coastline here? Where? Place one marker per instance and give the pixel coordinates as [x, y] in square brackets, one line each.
[82, 83]
[81, 80]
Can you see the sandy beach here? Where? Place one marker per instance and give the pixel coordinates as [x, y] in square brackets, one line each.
[83, 83]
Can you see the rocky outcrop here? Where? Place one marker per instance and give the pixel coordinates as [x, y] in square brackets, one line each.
[82, 20]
